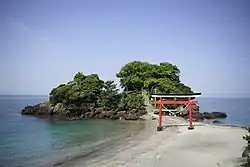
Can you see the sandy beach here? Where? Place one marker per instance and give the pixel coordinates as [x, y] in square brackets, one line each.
[176, 146]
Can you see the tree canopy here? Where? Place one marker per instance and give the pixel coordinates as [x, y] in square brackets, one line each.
[82, 89]
[163, 77]
[90, 90]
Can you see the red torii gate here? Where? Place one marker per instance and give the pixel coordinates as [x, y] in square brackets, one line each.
[188, 102]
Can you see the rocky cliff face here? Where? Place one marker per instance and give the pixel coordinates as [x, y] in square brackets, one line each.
[75, 113]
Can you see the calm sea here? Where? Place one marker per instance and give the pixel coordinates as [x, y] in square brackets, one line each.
[29, 141]
[237, 109]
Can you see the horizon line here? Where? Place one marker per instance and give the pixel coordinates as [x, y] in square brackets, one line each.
[202, 96]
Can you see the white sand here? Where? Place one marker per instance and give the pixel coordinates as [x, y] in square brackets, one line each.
[205, 146]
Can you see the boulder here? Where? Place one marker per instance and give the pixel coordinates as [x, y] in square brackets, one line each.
[102, 115]
[98, 111]
[141, 112]
[38, 109]
[216, 122]
[214, 115]
[164, 113]
[114, 117]
[133, 111]
[58, 108]
[130, 116]
[89, 115]
[196, 117]
[82, 116]
[109, 113]
[121, 114]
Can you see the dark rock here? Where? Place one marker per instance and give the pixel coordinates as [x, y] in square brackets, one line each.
[102, 115]
[60, 109]
[98, 111]
[89, 115]
[141, 112]
[219, 114]
[214, 115]
[109, 113]
[196, 117]
[216, 122]
[114, 117]
[130, 116]
[133, 111]
[38, 109]
[73, 112]
[165, 113]
[246, 152]
[121, 114]
[154, 118]
[156, 112]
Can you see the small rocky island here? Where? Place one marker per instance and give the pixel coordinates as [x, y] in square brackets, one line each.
[87, 96]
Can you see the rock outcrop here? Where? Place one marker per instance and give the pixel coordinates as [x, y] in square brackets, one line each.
[214, 115]
[75, 113]
[196, 114]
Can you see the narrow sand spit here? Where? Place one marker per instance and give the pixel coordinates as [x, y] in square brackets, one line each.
[176, 146]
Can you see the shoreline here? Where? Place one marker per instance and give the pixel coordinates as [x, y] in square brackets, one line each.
[150, 147]
[85, 154]
[103, 152]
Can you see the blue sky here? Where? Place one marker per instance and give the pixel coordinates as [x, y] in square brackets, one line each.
[44, 43]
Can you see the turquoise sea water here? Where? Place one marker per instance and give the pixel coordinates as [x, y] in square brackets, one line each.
[29, 141]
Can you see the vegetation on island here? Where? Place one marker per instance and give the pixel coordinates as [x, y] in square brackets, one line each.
[86, 93]
[161, 78]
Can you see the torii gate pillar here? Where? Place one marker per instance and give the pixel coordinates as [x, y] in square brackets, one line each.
[159, 127]
[190, 111]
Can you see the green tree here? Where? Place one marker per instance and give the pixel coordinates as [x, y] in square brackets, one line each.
[163, 77]
[131, 101]
[79, 77]
[59, 94]
[109, 97]
[83, 89]
[132, 75]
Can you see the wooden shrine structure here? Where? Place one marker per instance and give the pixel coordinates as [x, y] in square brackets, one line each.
[177, 99]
